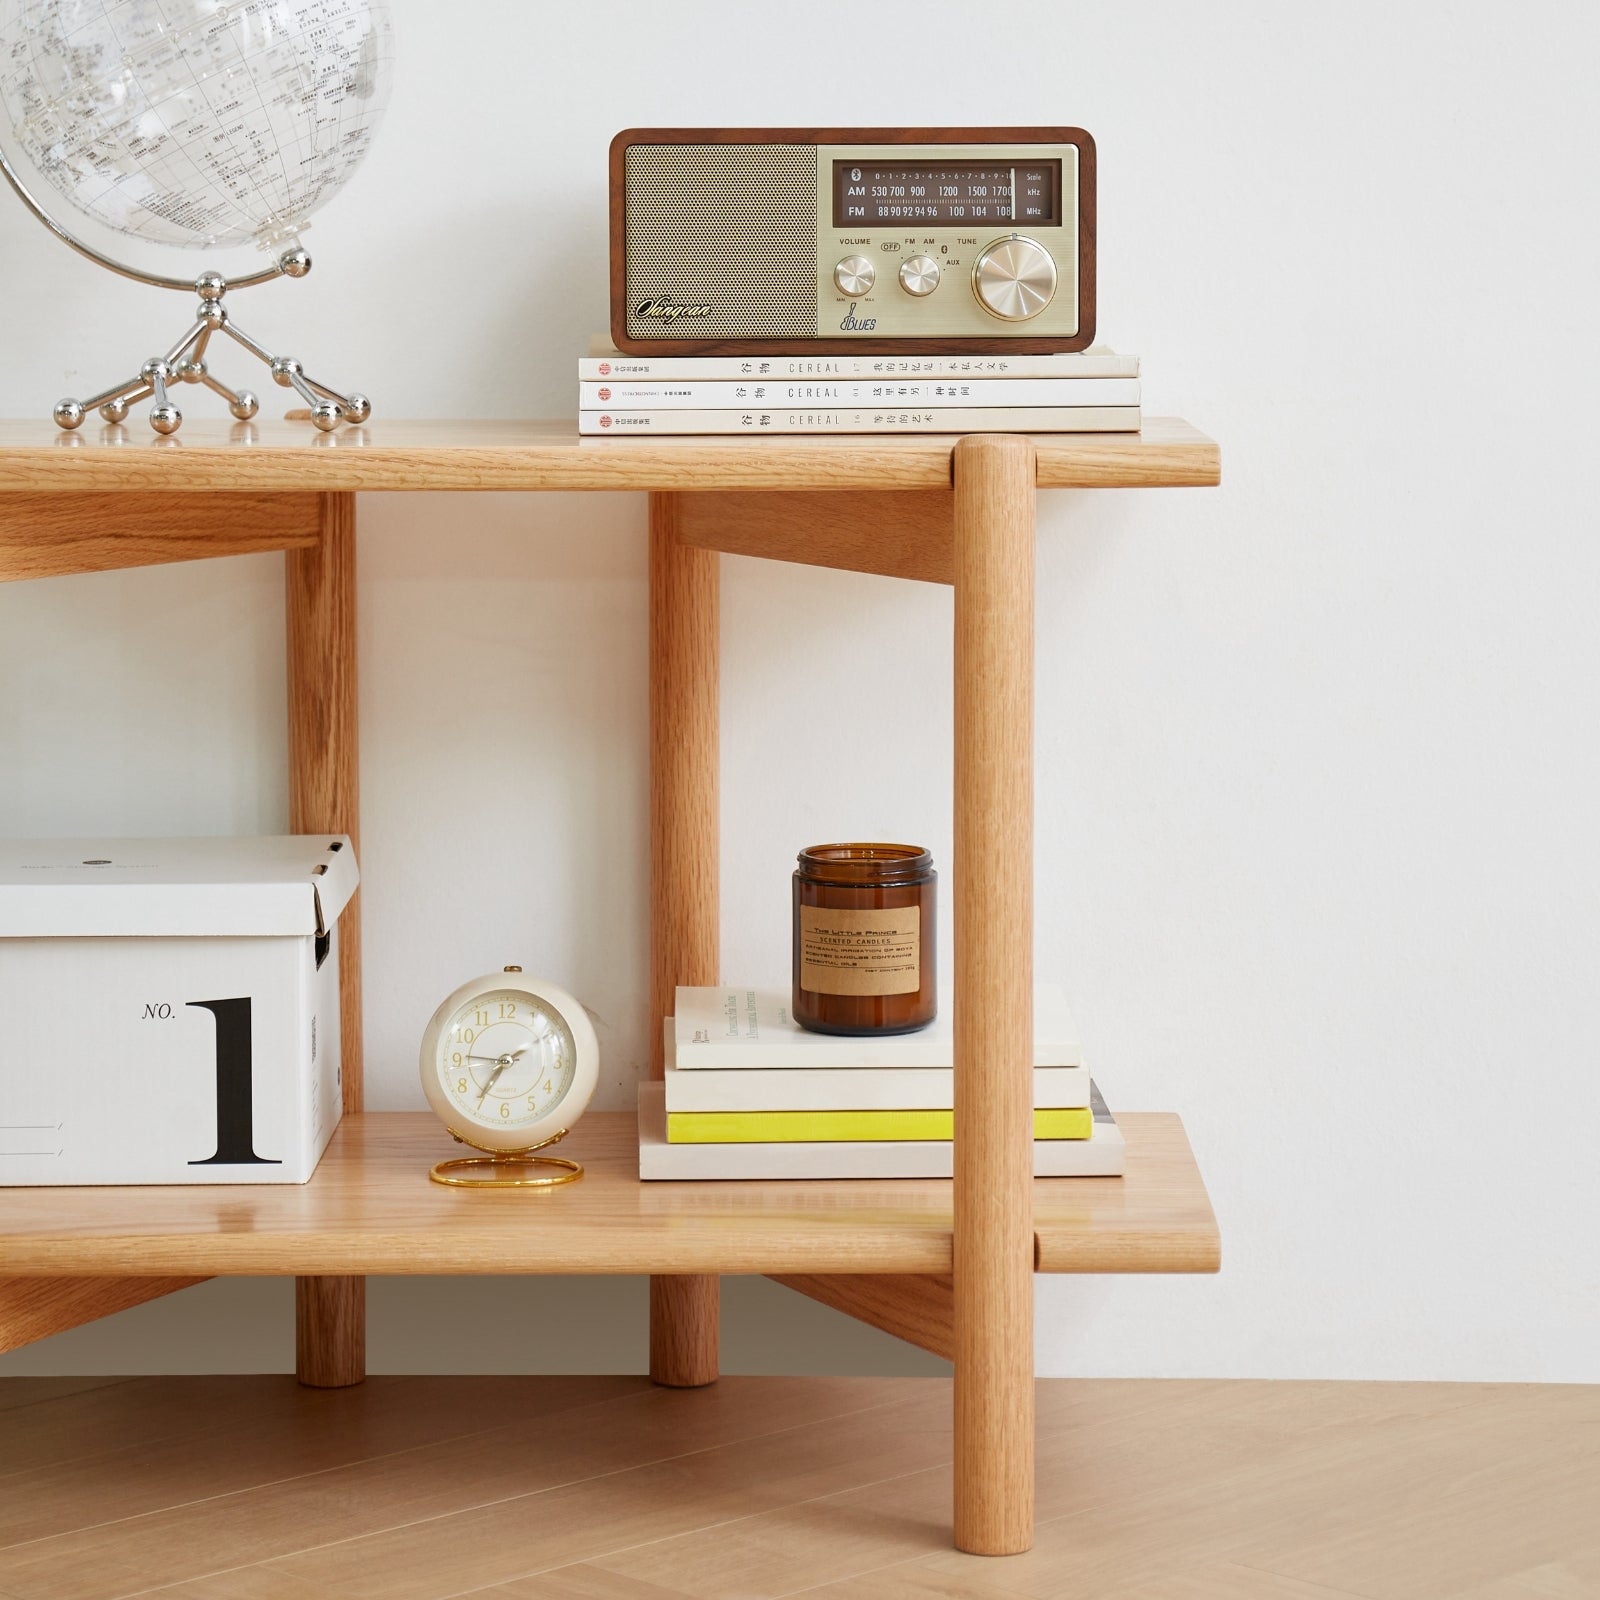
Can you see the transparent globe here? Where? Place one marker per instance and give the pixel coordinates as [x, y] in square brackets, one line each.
[195, 123]
[132, 127]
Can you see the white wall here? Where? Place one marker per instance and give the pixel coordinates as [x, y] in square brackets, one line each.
[1317, 778]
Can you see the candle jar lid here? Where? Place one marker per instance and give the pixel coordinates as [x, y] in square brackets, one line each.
[865, 865]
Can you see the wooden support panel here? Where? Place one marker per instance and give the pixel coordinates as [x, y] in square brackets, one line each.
[920, 1310]
[50, 535]
[909, 534]
[35, 1308]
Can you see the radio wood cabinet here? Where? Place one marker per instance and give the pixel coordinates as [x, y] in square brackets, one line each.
[946, 1265]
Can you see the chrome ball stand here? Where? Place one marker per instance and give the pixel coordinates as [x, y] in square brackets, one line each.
[185, 362]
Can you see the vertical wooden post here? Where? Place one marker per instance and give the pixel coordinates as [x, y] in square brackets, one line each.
[684, 880]
[324, 797]
[993, 869]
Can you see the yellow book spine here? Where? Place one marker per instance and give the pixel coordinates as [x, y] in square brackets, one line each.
[835, 1127]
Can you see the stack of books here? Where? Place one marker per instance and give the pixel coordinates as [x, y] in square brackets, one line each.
[1096, 391]
[749, 1093]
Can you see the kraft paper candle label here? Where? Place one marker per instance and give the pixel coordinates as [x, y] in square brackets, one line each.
[860, 952]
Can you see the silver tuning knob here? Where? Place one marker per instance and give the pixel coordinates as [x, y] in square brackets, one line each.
[854, 276]
[919, 275]
[1014, 278]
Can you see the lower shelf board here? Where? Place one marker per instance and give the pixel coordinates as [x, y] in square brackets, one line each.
[371, 1209]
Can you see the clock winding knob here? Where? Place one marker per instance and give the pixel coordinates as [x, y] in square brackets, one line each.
[919, 275]
[1014, 278]
[854, 276]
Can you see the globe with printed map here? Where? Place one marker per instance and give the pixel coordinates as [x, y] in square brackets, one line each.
[200, 124]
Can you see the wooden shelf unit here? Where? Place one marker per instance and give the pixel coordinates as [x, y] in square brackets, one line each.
[948, 1266]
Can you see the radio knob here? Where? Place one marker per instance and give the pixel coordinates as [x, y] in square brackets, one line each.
[1014, 278]
[919, 275]
[855, 275]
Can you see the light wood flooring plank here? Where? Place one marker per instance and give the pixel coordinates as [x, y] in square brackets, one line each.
[246, 1583]
[916, 1580]
[278, 1432]
[1225, 1581]
[1492, 1491]
[796, 1547]
[86, 1422]
[838, 1489]
[580, 1521]
[419, 1486]
[16, 1392]
[1224, 1475]
[580, 1582]
[1578, 1579]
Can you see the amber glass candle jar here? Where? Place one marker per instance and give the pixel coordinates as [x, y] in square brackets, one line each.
[865, 937]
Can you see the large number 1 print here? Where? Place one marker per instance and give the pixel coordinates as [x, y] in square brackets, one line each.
[236, 1138]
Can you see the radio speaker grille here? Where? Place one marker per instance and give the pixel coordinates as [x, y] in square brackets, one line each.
[732, 227]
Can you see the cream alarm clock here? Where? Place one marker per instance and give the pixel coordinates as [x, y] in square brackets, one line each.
[508, 1065]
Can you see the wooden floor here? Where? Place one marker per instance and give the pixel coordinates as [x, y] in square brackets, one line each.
[608, 1489]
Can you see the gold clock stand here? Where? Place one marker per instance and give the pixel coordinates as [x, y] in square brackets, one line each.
[495, 1168]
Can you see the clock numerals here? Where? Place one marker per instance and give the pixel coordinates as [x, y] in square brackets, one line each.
[236, 1128]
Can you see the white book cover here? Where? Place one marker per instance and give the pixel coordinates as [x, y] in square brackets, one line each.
[605, 361]
[745, 1028]
[847, 1088]
[1102, 1156]
[687, 396]
[850, 419]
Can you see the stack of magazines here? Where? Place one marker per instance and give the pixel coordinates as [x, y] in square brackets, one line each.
[1096, 391]
[751, 1094]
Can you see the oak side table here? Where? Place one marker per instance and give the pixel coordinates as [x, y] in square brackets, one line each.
[946, 1265]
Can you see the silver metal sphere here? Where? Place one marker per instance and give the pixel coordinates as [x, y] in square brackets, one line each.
[295, 263]
[192, 372]
[69, 414]
[359, 408]
[115, 411]
[166, 419]
[211, 286]
[325, 414]
[284, 370]
[213, 313]
[155, 369]
[245, 405]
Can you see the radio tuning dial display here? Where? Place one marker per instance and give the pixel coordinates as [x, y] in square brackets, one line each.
[1014, 278]
[946, 194]
[855, 276]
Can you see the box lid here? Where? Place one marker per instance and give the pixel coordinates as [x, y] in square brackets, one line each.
[174, 888]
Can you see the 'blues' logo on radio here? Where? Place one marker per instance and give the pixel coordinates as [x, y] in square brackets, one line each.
[854, 324]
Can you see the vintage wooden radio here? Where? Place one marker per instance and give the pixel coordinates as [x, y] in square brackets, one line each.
[778, 240]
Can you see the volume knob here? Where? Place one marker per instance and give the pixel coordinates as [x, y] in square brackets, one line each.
[855, 275]
[1015, 278]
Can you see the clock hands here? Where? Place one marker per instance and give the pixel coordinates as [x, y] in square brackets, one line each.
[500, 1065]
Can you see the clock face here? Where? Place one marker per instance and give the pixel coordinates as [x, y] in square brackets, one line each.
[506, 1059]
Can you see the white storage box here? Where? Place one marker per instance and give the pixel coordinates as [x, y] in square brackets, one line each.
[169, 1008]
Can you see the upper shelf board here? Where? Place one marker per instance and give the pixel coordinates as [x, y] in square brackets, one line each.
[215, 457]
[371, 1208]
